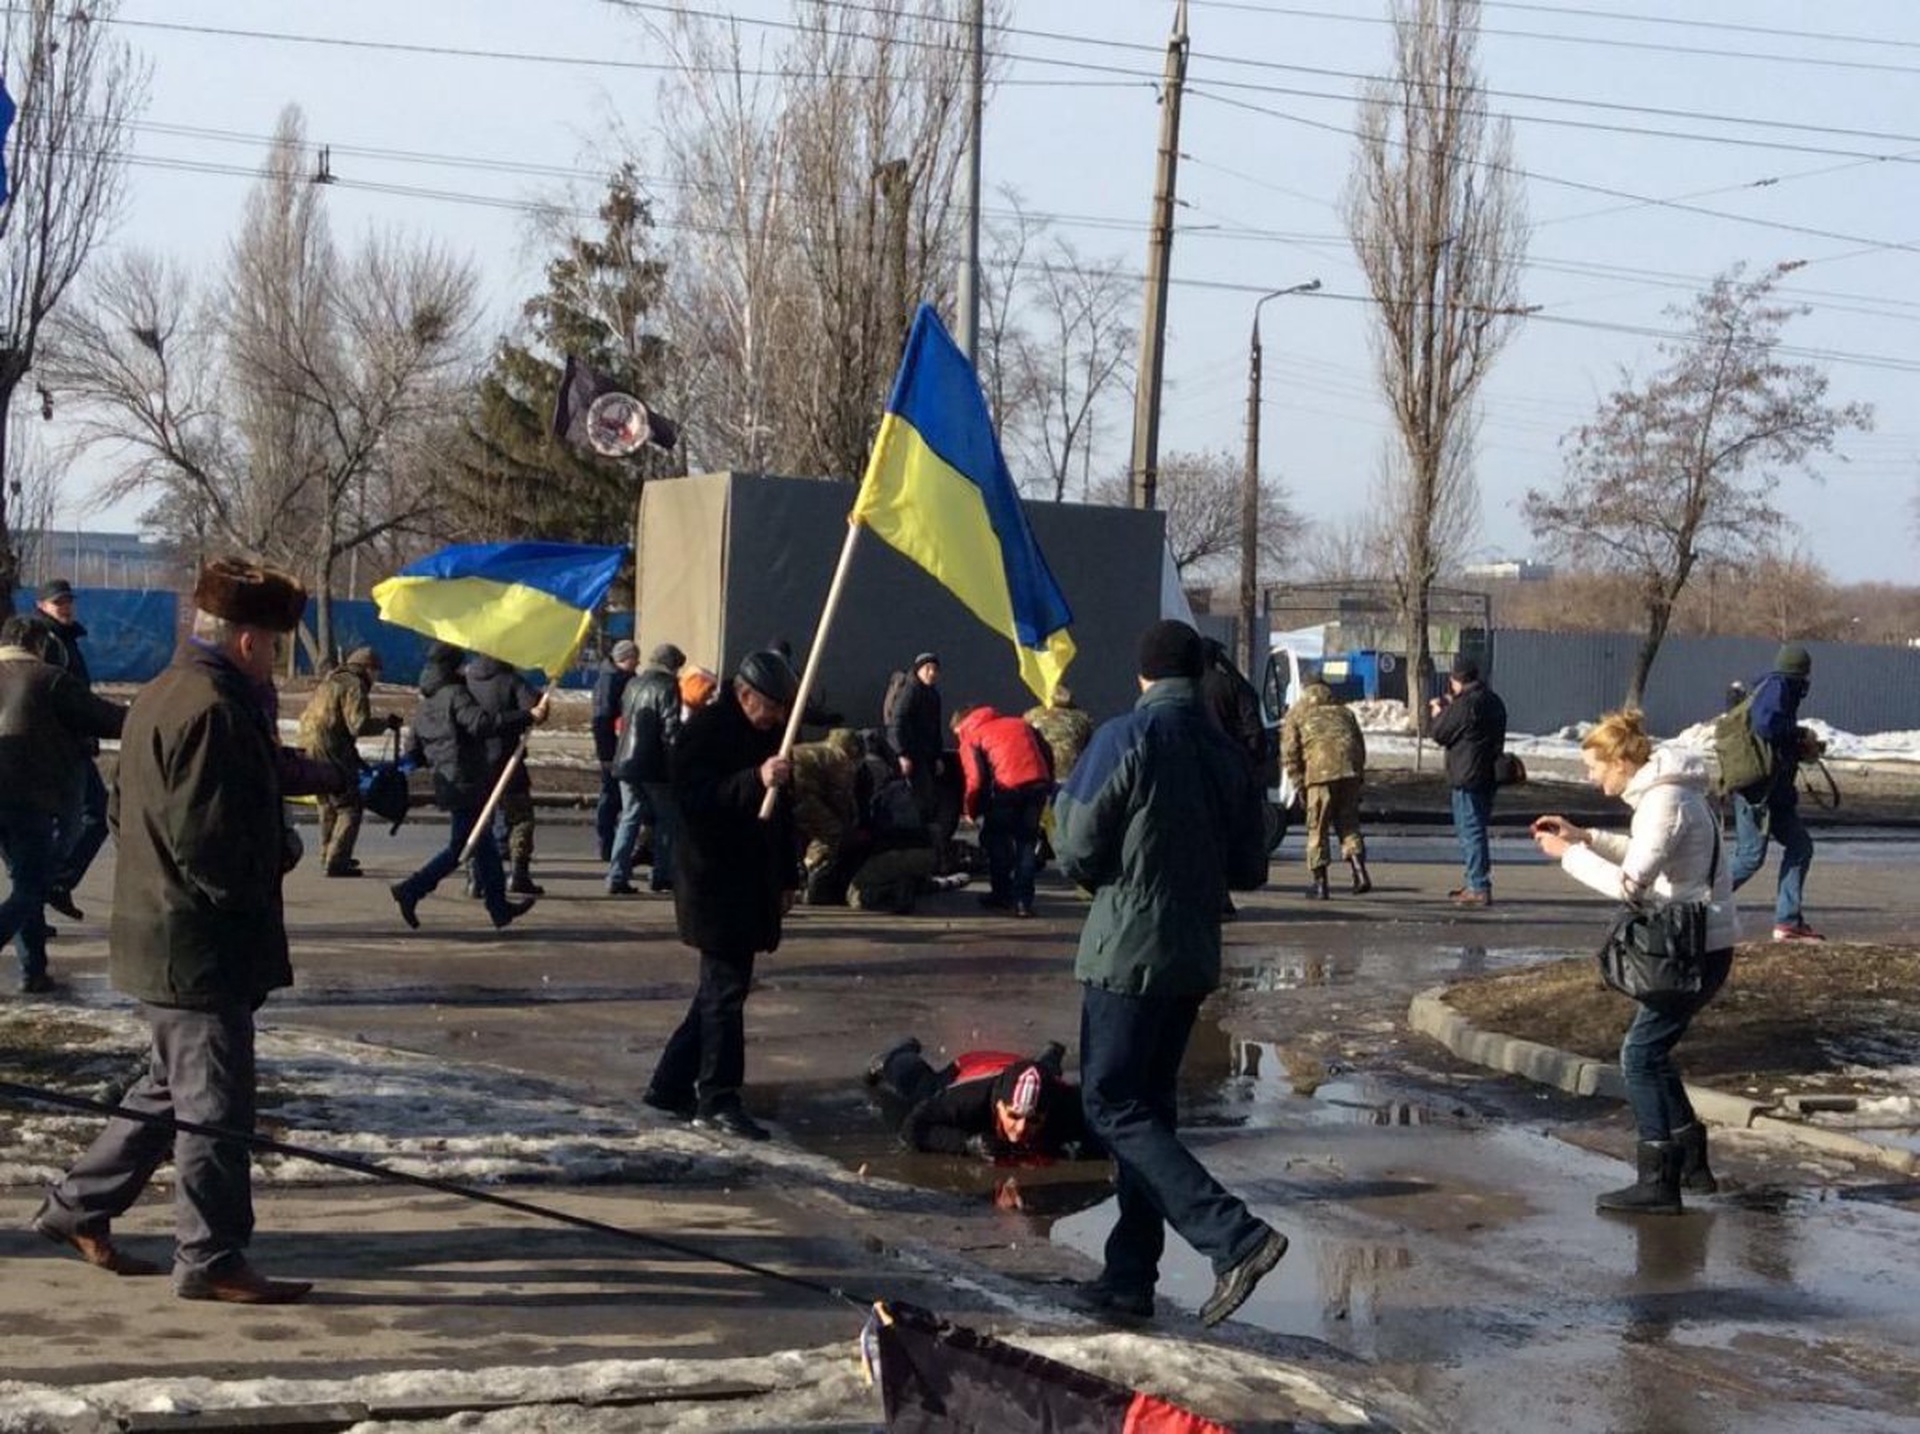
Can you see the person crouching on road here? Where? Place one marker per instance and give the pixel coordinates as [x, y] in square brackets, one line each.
[734, 879]
[1162, 816]
[1672, 852]
[199, 936]
[450, 732]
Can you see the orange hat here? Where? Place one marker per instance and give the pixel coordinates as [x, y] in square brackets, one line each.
[698, 686]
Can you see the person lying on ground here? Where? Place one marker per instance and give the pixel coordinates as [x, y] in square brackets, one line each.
[993, 1105]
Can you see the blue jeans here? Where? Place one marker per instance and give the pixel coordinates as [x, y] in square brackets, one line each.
[1471, 809]
[1010, 832]
[642, 803]
[1781, 821]
[83, 828]
[1654, 1087]
[1130, 1053]
[486, 865]
[27, 840]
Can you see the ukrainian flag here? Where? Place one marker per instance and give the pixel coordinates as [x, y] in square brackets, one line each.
[528, 604]
[938, 490]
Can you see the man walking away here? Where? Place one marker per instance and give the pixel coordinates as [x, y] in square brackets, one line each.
[649, 727]
[1325, 755]
[198, 938]
[337, 715]
[733, 881]
[1009, 773]
[609, 685]
[1770, 810]
[1160, 819]
[83, 814]
[450, 731]
[501, 692]
[49, 726]
[1471, 724]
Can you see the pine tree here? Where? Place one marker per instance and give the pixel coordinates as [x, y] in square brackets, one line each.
[515, 480]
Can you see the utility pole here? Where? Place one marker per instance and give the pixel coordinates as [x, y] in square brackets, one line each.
[970, 258]
[1250, 639]
[1145, 467]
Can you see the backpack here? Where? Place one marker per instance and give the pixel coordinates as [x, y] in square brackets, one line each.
[1744, 760]
[899, 686]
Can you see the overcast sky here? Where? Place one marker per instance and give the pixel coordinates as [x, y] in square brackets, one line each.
[1813, 114]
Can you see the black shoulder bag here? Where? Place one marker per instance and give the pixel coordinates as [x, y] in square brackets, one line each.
[1659, 950]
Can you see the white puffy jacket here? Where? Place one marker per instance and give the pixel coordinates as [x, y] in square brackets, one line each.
[1669, 849]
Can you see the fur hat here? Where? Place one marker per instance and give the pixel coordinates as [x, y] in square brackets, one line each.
[768, 674]
[1171, 649]
[1794, 660]
[250, 595]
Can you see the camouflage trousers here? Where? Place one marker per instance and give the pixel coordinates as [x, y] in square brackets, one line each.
[1333, 809]
[889, 880]
[339, 829]
[516, 813]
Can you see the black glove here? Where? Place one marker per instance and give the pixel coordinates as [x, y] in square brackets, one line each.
[395, 722]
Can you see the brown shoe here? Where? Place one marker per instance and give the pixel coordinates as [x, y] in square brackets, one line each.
[239, 1283]
[1468, 897]
[99, 1251]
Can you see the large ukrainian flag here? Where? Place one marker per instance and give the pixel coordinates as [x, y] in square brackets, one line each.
[528, 604]
[938, 490]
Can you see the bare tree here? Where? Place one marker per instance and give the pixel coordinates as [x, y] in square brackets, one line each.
[33, 484]
[1436, 215]
[1200, 494]
[76, 90]
[1680, 468]
[1081, 350]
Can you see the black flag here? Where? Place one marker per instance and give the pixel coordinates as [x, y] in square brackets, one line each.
[595, 413]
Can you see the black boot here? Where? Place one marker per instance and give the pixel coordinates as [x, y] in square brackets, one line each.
[1657, 1191]
[521, 883]
[1318, 891]
[1362, 883]
[1695, 1177]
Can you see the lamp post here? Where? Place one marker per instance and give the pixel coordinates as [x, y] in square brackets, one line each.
[1250, 493]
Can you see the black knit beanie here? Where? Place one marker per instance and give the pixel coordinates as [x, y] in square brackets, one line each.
[1171, 649]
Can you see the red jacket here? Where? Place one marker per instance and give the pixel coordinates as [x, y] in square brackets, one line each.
[1000, 753]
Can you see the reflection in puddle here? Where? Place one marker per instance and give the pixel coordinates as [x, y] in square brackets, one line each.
[1247, 1083]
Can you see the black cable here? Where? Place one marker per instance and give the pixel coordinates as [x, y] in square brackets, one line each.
[33, 1094]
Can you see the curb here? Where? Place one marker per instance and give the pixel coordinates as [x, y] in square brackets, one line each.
[1430, 1015]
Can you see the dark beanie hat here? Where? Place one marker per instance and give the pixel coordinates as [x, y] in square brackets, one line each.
[53, 588]
[668, 656]
[769, 674]
[1466, 668]
[1794, 660]
[923, 659]
[1018, 1087]
[1171, 649]
[251, 595]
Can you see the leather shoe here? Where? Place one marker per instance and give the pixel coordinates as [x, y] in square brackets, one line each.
[38, 984]
[731, 1120]
[409, 906]
[512, 912]
[239, 1283]
[1231, 1289]
[1121, 1305]
[96, 1250]
[680, 1110]
[61, 900]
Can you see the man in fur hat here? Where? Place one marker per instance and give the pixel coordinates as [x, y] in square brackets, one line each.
[198, 935]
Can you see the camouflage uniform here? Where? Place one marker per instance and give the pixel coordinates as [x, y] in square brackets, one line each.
[889, 879]
[1066, 728]
[826, 808]
[1325, 754]
[336, 715]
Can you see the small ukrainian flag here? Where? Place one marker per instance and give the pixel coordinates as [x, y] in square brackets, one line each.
[528, 604]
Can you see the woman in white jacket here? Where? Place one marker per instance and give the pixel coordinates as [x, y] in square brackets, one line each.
[1672, 852]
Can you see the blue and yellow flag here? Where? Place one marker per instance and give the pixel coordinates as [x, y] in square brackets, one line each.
[528, 604]
[938, 490]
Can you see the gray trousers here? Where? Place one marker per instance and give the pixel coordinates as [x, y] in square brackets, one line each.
[200, 1068]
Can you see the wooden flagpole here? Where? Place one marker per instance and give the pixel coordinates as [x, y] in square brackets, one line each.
[795, 717]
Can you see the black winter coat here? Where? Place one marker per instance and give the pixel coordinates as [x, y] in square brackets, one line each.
[1473, 729]
[650, 725]
[49, 726]
[61, 646]
[914, 728]
[450, 729]
[501, 691]
[731, 870]
[608, 688]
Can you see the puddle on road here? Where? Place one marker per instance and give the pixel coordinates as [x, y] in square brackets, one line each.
[1257, 970]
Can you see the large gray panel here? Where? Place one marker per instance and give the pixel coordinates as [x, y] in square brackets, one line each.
[785, 534]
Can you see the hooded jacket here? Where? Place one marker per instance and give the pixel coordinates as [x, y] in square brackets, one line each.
[1669, 850]
[450, 732]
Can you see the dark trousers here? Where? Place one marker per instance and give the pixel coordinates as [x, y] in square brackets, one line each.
[1655, 1089]
[82, 828]
[606, 814]
[27, 841]
[1130, 1053]
[200, 1068]
[443, 863]
[706, 1059]
[1010, 831]
[905, 1075]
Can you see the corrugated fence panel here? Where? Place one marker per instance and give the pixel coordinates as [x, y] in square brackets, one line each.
[1552, 679]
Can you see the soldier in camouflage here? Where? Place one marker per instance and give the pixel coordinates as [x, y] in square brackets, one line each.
[826, 811]
[337, 715]
[1066, 728]
[1325, 756]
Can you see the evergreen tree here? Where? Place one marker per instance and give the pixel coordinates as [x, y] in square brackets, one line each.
[515, 480]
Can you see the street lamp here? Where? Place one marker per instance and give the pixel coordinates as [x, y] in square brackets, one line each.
[1250, 492]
